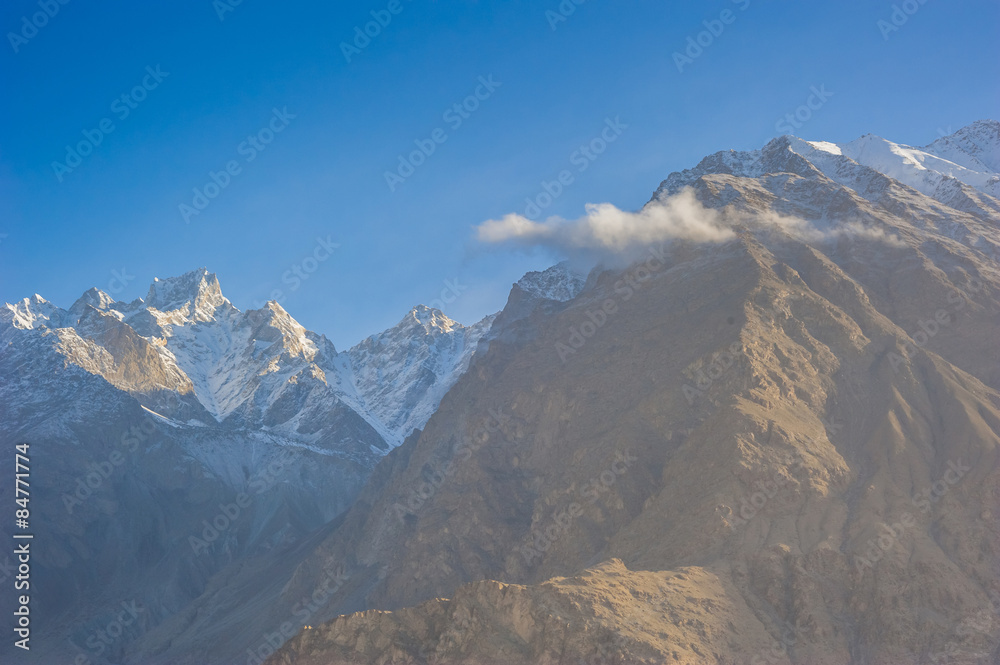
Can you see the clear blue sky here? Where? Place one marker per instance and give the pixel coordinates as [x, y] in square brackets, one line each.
[323, 175]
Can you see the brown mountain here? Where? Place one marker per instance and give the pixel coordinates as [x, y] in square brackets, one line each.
[782, 448]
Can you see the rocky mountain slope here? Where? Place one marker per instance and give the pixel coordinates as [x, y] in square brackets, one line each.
[781, 448]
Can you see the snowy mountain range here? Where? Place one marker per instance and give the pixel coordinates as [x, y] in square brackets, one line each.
[801, 347]
[188, 355]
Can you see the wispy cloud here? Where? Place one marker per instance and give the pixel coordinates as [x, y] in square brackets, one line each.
[606, 227]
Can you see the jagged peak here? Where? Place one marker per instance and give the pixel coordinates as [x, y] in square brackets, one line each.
[986, 125]
[430, 319]
[32, 301]
[199, 288]
[777, 156]
[276, 316]
[275, 308]
[975, 146]
[560, 283]
[272, 315]
[95, 298]
[89, 320]
[32, 312]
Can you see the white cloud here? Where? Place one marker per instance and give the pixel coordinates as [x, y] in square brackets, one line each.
[605, 227]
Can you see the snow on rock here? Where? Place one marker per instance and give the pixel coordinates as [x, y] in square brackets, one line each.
[97, 299]
[254, 370]
[976, 147]
[959, 170]
[31, 313]
[402, 374]
[918, 168]
[560, 283]
[197, 292]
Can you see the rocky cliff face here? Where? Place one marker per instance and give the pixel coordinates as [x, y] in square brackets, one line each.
[780, 448]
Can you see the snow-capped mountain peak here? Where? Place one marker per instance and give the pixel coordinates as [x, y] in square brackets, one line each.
[198, 290]
[95, 298]
[403, 373]
[430, 319]
[31, 313]
[272, 324]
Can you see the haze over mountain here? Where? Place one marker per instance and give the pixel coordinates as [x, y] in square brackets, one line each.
[777, 442]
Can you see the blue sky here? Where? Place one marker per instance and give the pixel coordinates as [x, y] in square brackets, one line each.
[555, 84]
